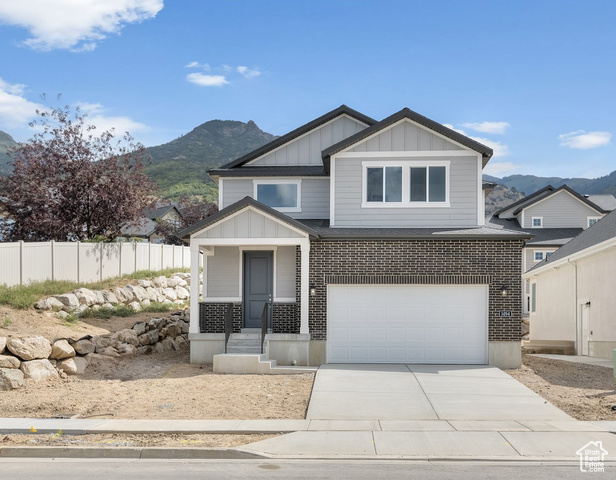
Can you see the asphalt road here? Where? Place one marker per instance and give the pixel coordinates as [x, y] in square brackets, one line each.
[51, 469]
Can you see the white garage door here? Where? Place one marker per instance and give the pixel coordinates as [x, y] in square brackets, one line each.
[407, 324]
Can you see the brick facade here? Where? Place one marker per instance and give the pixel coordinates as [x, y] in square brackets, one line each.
[421, 262]
[285, 317]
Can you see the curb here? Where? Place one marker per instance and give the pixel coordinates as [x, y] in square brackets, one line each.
[127, 453]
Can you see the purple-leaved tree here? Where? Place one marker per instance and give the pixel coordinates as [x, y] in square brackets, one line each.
[70, 184]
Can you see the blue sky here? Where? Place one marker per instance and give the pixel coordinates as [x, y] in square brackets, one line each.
[535, 80]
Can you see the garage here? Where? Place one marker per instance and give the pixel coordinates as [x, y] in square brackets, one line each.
[445, 324]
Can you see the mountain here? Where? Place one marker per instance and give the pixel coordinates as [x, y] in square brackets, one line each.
[529, 183]
[6, 145]
[500, 197]
[180, 166]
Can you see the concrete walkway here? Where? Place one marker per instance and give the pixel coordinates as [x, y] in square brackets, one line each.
[373, 411]
[602, 362]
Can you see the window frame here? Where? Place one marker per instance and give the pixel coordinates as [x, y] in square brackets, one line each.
[532, 222]
[406, 185]
[297, 182]
[591, 218]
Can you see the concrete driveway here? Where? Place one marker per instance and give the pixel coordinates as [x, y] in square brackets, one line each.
[459, 393]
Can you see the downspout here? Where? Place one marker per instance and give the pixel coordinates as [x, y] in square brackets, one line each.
[575, 305]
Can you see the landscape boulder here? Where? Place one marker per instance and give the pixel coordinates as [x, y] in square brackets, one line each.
[2, 344]
[160, 282]
[139, 293]
[38, 370]
[29, 348]
[9, 361]
[144, 283]
[123, 295]
[10, 379]
[139, 328]
[127, 335]
[83, 347]
[182, 293]
[49, 303]
[86, 297]
[62, 349]
[73, 366]
[170, 294]
[136, 306]
[69, 301]
[109, 297]
[148, 338]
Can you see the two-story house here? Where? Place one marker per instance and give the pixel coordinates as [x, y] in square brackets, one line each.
[369, 238]
[145, 229]
[554, 216]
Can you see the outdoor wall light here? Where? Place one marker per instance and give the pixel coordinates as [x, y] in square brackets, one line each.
[313, 290]
[504, 289]
[588, 304]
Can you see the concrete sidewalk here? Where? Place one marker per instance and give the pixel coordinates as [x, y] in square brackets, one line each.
[602, 362]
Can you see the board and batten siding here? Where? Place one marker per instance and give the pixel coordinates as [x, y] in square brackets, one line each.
[405, 136]
[249, 224]
[306, 150]
[463, 198]
[560, 210]
[224, 267]
[314, 200]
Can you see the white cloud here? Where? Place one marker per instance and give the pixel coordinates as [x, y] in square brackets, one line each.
[500, 149]
[247, 72]
[15, 109]
[501, 169]
[95, 116]
[202, 66]
[582, 140]
[74, 25]
[207, 80]
[488, 127]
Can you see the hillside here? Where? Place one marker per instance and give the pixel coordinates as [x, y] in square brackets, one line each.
[6, 144]
[529, 183]
[500, 197]
[180, 166]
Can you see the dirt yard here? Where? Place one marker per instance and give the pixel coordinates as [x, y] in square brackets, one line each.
[586, 392]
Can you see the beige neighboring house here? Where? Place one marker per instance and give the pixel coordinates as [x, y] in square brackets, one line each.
[146, 229]
[554, 216]
[573, 305]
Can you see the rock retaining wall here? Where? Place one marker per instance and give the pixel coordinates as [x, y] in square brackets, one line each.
[175, 289]
[36, 358]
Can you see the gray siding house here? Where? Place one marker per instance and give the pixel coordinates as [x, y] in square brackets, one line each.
[369, 240]
[554, 216]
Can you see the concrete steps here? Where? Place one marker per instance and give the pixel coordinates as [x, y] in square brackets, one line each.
[246, 363]
[244, 343]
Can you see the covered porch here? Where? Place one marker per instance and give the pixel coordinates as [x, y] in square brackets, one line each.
[252, 255]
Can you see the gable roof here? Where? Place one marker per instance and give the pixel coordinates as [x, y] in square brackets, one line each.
[236, 207]
[341, 110]
[605, 201]
[602, 231]
[565, 188]
[486, 152]
[159, 212]
[537, 195]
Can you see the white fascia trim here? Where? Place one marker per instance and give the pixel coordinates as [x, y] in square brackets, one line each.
[251, 243]
[284, 145]
[280, 181]
[547, 197]
[609, 243]
[405, 154]
[363, 140]
[249, 207]
[332, 191]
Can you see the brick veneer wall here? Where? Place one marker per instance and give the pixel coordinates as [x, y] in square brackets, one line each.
[425, 262]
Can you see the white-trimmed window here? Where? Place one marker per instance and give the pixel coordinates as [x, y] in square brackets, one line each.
[406, 184]
[590, 221]
[539, 255]
[283, 195]
[536, 222]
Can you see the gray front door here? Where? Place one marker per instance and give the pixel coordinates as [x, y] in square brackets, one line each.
[258, 285]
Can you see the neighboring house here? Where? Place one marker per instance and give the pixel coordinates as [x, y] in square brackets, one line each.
[146, 227]
[369, 238]
[572, 295]
[554, 216]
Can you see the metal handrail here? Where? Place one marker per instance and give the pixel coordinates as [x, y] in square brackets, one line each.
[228, 324]
[264, 319]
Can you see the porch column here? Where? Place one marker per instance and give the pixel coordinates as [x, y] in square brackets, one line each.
[304, 286]
[194, 287]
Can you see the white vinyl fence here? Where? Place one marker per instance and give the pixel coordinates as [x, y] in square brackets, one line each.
[25, 262]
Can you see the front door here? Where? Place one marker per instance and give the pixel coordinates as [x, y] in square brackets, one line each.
[258, 285]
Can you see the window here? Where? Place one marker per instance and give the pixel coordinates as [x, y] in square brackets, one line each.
[541, 255]
[406, 184]
[279, 194]
[537, 222]
[384, 184]
[533, 297]
[428, 184]
[538, 256]
[592, 220]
